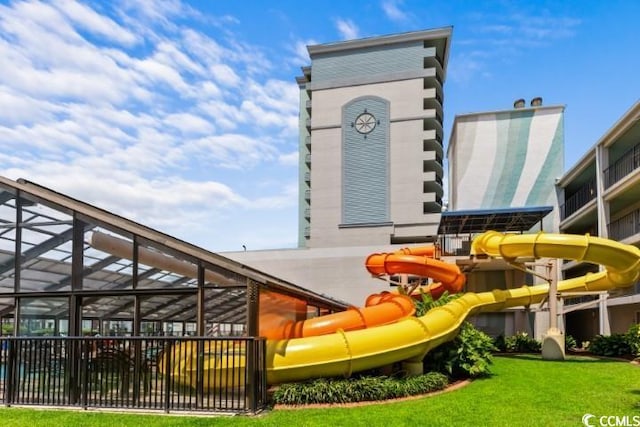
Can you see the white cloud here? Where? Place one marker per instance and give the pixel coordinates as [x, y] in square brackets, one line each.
[289, 159]
[391, 8]
[189, 124]
[347, 29]
[225, 74]
[508, 35]
[299, 52]
[123, 106]
[87, 19]
[231, 151]
[289, 197]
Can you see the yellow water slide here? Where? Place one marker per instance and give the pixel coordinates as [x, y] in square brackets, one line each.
[343, 353]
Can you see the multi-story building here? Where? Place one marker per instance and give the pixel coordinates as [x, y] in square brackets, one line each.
[371, 145]
[600, 195]
[507, 159]
[371, 159]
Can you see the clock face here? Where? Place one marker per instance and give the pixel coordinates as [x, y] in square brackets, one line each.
[365, 123]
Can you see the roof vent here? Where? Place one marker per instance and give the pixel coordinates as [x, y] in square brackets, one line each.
[536, 102]
[519, 103]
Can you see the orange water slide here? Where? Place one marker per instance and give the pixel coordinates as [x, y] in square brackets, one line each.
[380, 309]
[421, 262]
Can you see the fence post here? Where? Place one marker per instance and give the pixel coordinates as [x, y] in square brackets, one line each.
[10, 375]
[168, 375]
[250, 375]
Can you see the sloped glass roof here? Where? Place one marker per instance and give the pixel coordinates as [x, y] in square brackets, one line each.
[118, 268]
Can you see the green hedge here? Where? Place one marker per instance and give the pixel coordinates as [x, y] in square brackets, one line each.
[357, 389]
[615, 345]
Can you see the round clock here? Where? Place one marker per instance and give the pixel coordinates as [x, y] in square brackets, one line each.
[365, 123]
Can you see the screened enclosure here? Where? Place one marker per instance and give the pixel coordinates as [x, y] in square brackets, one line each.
[71, 270]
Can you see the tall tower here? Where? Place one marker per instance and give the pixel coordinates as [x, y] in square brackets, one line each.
[371, 140]
[508, 158]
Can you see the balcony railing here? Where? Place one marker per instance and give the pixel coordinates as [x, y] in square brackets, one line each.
[622, 167]
[584, 195]
[455, 245]
[626, 226]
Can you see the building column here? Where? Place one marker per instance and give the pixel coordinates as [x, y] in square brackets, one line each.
[603, 315]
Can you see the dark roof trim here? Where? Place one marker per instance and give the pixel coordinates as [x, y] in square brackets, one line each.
[499, 219]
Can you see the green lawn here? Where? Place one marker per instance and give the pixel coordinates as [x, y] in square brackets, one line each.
[523, 391]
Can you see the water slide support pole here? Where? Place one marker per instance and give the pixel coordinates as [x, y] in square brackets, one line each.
[553, 340]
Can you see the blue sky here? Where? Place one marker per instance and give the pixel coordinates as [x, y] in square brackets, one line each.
[182, 115]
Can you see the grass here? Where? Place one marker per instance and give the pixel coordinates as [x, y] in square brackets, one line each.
[523, 391]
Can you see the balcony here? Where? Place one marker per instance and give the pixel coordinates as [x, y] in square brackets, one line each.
[307, 177]
[433, 104]
[432, 123]
[432, 163]
[626, 226]
[622, 167]
[307, 214]
[307, 232]
[434, 205]
[307, 159]
[433, 144]
[307, 195]
[580, 198]
[307, 142]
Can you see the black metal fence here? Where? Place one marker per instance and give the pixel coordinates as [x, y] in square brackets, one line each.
[625, 226]
[164, 373]
[581, 197]
[455, 244]
[622, 167]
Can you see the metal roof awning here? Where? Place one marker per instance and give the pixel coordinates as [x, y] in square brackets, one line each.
[501, 219]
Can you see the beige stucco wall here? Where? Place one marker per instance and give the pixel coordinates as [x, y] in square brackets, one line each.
[339, 273]
[405, 159]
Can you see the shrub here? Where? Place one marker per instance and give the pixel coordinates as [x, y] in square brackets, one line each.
[610, 345]
[468, 355]
[522, 343]
[570, 342]
[633, 339]
[500, 343]
[357, 389]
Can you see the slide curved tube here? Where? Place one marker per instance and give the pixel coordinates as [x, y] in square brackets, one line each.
[343, 353]
[380, 309]
[419, 262]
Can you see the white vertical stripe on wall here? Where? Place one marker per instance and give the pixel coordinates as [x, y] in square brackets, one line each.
[543, 128]
[482, 163]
